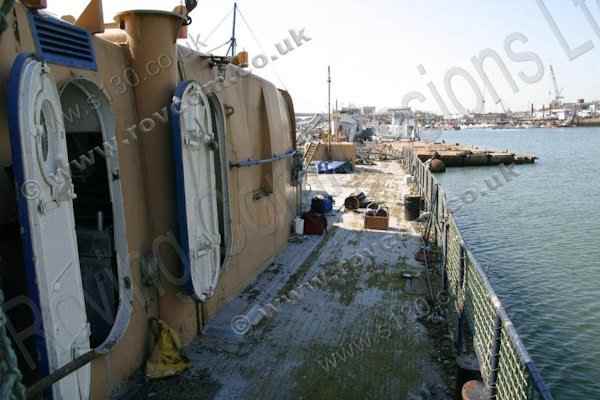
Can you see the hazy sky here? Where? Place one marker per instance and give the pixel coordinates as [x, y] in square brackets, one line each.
[376, 46]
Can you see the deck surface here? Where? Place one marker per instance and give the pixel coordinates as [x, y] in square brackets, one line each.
[340, 316]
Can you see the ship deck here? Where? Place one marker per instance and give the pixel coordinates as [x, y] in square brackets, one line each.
[341, 315]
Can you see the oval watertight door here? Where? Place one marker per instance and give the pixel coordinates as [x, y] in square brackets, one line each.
[193, 146]
[40, 164]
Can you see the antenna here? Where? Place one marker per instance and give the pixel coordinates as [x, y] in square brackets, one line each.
[233, 45]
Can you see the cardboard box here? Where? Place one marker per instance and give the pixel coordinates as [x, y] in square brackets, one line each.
[377, 223]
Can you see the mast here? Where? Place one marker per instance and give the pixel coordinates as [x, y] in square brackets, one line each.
[329, 103]
[233, 38]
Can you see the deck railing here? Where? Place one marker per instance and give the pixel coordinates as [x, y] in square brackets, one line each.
[483, 325]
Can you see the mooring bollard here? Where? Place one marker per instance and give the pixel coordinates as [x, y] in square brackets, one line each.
[437, 166]
[468, 369]
[474, 390]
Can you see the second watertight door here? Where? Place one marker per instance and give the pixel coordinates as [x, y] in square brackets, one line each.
[197, 212]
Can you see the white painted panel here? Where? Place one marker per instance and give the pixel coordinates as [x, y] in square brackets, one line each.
[201, 213]
[40, 147]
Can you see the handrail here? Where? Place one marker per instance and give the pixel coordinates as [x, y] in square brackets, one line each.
[252, 163]
[34, 391]
[507, 368]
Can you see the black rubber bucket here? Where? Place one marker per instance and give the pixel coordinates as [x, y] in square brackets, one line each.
[412, 207]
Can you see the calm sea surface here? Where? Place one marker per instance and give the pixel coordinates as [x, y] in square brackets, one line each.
[538, 236]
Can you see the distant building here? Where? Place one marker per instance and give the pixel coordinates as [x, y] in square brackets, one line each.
[350, 110]
[560, 114]
[427, 119]
[369, 110]
[403, 124]
[490, 118]
[348, 123]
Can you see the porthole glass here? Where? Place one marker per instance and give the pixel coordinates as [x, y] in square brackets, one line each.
[44, 136]
[47, 140]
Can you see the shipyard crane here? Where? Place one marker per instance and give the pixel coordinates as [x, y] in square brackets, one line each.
[501, 103]
[557, 92]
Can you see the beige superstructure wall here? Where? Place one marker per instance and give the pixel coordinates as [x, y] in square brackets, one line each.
[262, 198]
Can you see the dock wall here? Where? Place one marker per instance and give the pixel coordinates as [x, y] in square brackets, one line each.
[587, 122]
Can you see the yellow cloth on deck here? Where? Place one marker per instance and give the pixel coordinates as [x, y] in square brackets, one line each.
[167, 358]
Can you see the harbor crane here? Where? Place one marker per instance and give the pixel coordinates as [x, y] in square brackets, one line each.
[558, 97]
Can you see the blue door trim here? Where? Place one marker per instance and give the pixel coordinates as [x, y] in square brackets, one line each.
[182, 225]
[13, 92]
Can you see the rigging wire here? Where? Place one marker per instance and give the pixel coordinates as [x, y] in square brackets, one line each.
[258, 42]
[219, 47]
[212, 32]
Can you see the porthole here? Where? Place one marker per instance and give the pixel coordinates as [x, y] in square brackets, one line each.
[47, 140]
[44, 136]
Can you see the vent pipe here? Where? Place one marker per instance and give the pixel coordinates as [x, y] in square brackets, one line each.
[151, 38]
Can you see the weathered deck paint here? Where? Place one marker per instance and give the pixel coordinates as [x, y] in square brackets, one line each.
[350, 333]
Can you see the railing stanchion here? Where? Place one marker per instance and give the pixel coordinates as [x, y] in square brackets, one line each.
[445, 266]
[461, 298]
[431, 192]
[495, 356]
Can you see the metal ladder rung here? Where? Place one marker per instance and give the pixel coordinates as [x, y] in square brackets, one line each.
[310, 153]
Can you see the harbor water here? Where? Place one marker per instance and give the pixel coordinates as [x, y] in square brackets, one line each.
[536, 230]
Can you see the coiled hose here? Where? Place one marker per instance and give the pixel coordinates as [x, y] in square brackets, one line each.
[10, 376]
[4, 10]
